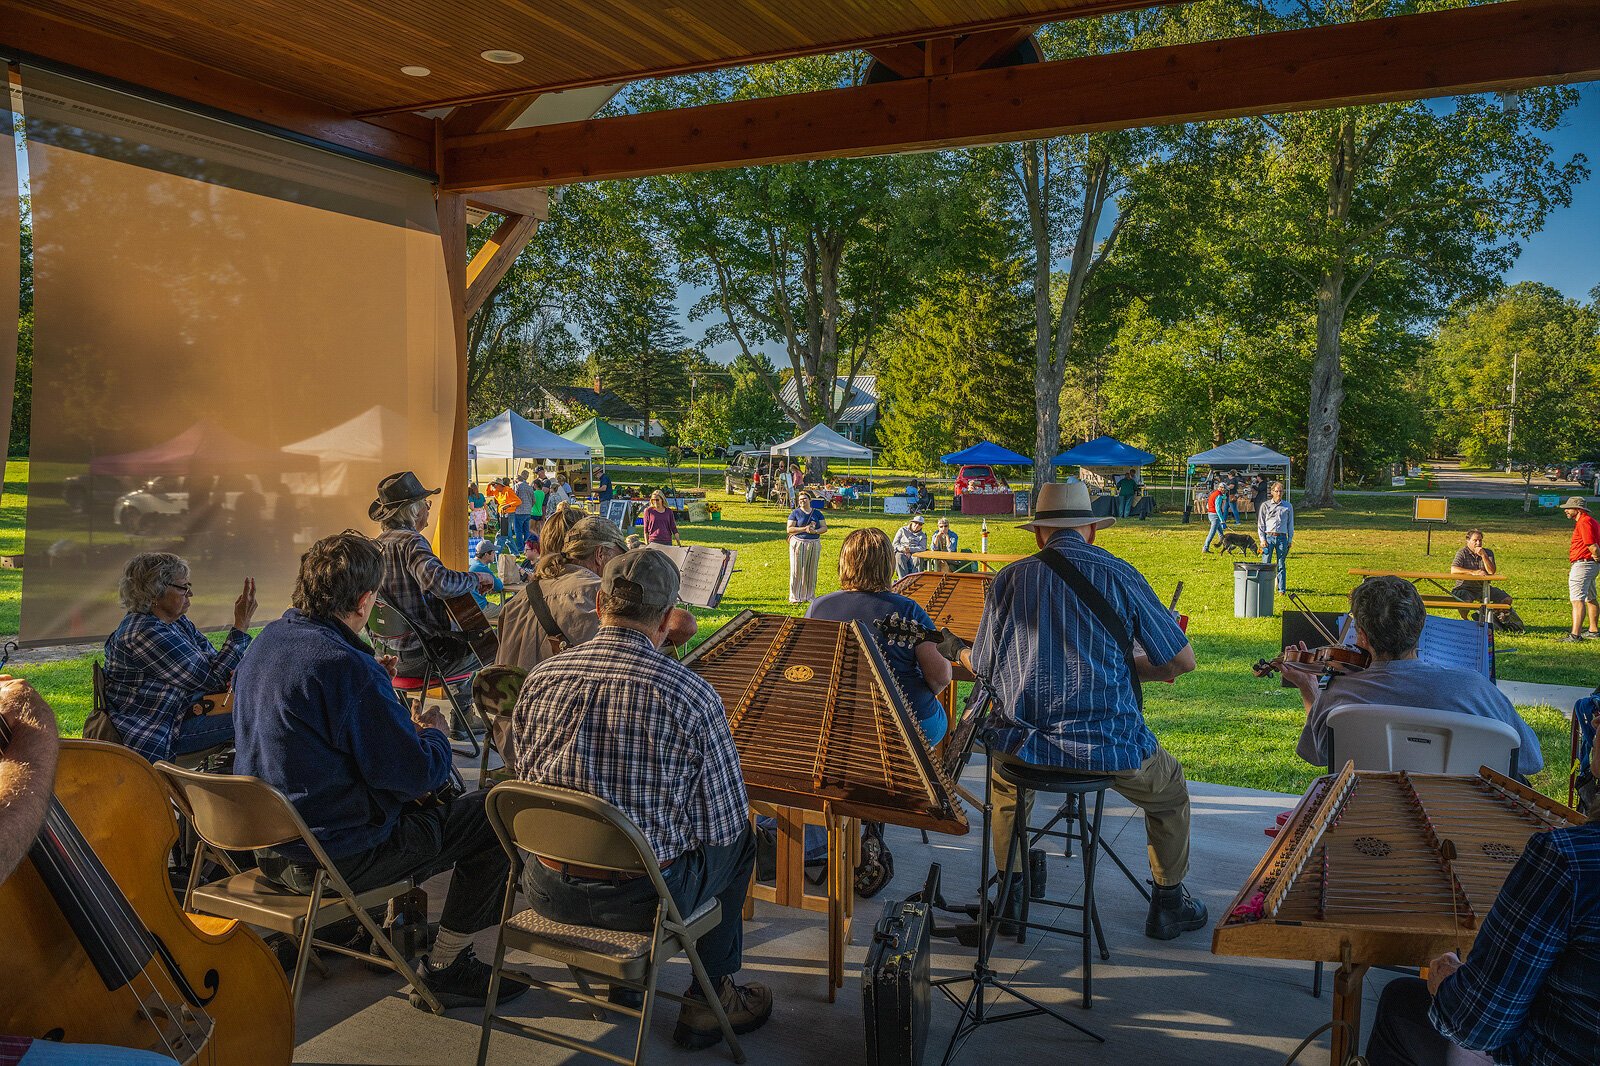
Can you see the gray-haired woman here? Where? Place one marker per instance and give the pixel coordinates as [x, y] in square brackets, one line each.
[159, 665]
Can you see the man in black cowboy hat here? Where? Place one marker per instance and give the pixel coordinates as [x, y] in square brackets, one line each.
[414, 580]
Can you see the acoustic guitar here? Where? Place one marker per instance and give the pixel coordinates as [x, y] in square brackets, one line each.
[476, 630]
[97, 949]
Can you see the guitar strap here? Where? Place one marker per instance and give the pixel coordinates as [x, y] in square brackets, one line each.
[1102, 610]
[541, 611]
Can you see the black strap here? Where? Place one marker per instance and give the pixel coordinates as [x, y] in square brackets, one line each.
[541, 610]
[1100, 608]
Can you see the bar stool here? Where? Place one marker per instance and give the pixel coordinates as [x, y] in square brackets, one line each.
[1029, 778]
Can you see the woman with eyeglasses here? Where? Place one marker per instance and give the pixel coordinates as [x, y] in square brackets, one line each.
[159, 665]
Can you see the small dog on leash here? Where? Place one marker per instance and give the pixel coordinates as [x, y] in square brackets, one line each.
[1242, 542]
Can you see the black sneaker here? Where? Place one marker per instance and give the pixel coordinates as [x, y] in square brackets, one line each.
[464, 983]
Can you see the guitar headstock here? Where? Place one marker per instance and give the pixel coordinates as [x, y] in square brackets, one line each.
[897, 631]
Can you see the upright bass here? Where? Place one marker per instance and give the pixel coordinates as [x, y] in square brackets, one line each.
[97, 949]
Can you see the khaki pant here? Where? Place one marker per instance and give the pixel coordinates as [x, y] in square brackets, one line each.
[1157, 787]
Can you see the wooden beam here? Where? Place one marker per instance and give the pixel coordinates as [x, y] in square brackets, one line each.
[486, 116]
[496, 257]
[976, 49]
[535, 202]
[403, 139]
[904, 59]
[1510, 45]
[450, 532]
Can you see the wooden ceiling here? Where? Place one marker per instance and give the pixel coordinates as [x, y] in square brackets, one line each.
[348, 54]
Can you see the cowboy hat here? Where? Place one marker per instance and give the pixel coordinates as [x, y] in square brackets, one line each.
[396, 490]
[1575, 503]
[1065, 505]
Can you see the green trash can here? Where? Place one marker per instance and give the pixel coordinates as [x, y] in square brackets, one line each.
[1252, 589]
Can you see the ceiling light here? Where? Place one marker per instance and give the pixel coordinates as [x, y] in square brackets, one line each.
[416, 72]
[503, 56]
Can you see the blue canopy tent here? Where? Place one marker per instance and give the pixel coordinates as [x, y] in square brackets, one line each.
[988, 453]
[1103, 459]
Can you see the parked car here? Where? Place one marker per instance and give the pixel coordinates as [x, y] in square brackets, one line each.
[99, 491]
[744, 467]
[979, 479]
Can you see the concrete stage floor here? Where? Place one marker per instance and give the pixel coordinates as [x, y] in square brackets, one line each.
[1154, 1003]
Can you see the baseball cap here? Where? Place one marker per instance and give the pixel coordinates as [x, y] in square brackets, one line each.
[643, 576]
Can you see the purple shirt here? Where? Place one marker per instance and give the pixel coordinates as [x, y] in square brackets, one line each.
[659, 525]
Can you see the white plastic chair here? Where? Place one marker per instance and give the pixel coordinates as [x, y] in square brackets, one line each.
[1381, 736]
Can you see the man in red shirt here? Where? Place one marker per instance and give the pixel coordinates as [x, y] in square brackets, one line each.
[1585, 557]
[1214, 513]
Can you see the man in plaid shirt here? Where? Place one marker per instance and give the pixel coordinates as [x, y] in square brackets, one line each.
[617, 719]
[1529, 991]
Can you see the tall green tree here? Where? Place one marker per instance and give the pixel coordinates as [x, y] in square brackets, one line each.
[1550, 346]
[809, 257]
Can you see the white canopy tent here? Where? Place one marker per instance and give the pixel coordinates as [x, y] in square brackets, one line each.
[1241, 453]
[820, 442]
[508, 436]
[353, 453]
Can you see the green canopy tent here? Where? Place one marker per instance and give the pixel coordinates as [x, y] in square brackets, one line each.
[606, 443]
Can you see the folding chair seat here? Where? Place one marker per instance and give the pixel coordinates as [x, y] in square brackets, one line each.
[570, 827]
[494, 694]
[237, 813]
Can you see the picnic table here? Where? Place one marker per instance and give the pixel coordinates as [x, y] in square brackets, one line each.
[989, 561]
[1448, 601]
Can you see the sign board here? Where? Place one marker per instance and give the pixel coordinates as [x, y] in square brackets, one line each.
[1414, 471]
[1398, 481]
[1430, 509]
[619, 513]
[1549, 501]
[1021, 505]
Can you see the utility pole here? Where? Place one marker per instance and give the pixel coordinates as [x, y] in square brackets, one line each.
[1511, 412]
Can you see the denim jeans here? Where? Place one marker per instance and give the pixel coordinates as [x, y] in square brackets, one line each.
[1229, 509]
[455, 836]
[1277, 545]
[199, 733]
[630, 906]
[1214, 532]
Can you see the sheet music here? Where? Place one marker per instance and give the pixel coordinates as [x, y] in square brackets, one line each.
[1459, 643]
[704, 572]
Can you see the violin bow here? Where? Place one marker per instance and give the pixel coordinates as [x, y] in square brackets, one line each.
[1316, 623]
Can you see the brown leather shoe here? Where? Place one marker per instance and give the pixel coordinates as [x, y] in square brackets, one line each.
[748, 1008]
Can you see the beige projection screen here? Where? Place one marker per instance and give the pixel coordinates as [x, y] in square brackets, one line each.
[236, 337]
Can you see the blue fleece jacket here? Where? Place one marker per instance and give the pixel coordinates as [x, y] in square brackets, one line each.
[314, 715]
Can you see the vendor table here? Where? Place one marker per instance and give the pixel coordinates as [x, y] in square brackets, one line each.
[987, 503]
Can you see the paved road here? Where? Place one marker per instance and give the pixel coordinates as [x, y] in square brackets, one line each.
[1451, 480]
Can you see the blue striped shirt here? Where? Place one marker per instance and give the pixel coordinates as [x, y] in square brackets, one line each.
[1062, 692]
[1529, 993]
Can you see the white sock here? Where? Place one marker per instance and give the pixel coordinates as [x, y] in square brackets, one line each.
[446, 946]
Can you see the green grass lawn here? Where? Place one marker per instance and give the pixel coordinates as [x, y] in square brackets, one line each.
[1225, 724]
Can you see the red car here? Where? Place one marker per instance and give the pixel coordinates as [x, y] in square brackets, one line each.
[979, 479]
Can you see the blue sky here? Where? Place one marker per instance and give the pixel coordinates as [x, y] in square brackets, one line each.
[1565, 254]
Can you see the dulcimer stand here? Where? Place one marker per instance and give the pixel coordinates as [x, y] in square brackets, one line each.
[977, 1006]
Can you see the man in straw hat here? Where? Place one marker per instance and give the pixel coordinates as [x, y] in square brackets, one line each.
[1065, 673]
[414, 580]
[1585, 558]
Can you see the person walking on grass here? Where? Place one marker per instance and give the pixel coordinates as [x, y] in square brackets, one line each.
[1214, 515]
[1584, 555]
[805, 529]
[1275, 525]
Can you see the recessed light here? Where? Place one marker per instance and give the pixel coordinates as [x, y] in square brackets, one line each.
[416, 72]
[503, 56]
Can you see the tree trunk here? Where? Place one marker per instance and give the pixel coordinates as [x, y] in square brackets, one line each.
[1046, 376]
[1327, 394]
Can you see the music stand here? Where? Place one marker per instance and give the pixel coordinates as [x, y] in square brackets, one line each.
[975, 1009]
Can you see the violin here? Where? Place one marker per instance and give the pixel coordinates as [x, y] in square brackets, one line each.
[1326, 657]
[99, 951]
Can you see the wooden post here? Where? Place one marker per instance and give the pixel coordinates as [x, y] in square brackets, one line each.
[450, 533]
[1347, 1008]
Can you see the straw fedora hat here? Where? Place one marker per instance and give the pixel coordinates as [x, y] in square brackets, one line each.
[1065, 505]
[1576, 503]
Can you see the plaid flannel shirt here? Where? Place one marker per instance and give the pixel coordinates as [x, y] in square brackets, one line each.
[1529, 993]
[155, 671]
[414, 579]
[617, 719]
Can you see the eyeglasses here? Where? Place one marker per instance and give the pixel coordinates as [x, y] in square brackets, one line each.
[186, 588]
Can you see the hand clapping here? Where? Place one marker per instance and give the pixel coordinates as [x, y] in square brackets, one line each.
[244, 608]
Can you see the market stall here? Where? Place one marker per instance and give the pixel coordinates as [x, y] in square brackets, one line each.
[508, 437]
[987, 493]
[1100, 463]
[1241, 455]
[820, 442]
